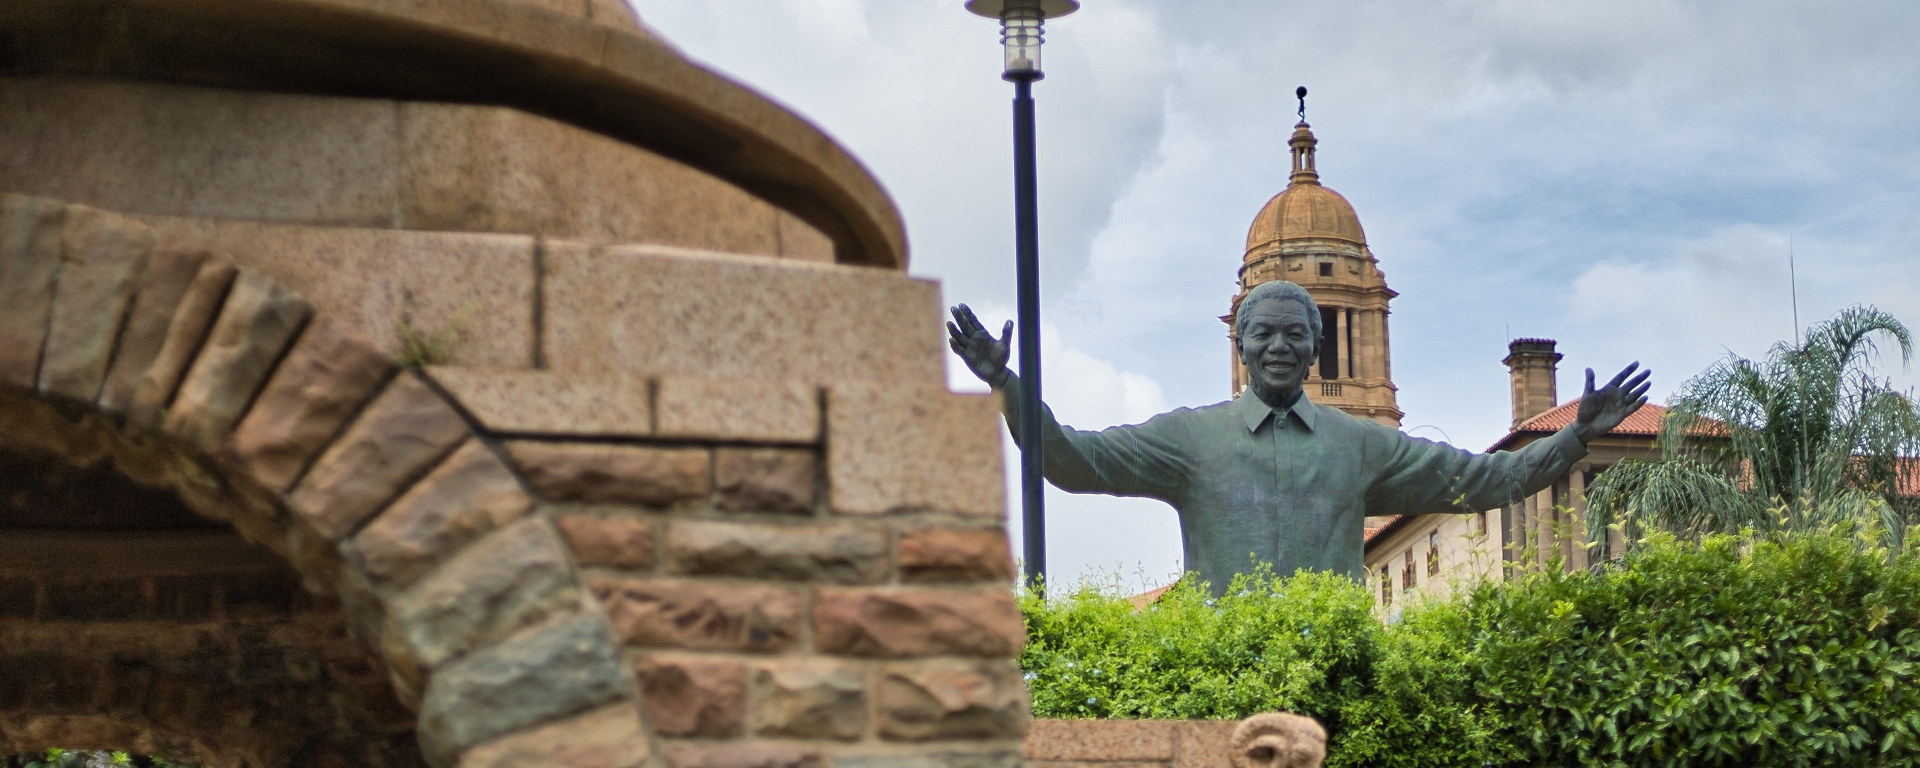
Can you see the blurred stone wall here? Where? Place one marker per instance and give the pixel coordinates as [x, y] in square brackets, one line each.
[606, 438]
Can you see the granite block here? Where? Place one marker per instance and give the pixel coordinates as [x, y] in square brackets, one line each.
[544, 402]
[738, 409]
[740, 317]
[468, 295]
[894, 449]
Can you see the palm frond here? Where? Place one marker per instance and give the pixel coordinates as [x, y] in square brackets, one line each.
[1808, 437]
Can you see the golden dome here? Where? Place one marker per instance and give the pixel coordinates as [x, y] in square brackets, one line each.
[1305, 209]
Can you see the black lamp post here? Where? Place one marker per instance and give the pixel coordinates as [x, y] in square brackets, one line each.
[1021, 25]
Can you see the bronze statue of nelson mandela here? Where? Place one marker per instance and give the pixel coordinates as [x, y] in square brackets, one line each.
[1270, 476]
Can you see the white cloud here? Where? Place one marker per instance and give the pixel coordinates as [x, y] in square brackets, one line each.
[1620, 176]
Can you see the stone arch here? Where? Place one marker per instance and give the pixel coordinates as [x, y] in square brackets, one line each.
[181, 371]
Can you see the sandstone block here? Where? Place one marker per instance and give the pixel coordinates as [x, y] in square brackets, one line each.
[765, 479]
[258, 321]
[990, 759]
[468, 496]
[620, 474]
[951, 700]
[1096, 740]
[912, 623]
[809, 700]
[610, 540]
[331, 371]
[697, 615]
[693, 696]
[401, 433]
[892, 449]
[543, 673]
[537, 402]
[851, 554]
[185, 331]
[1198, 742]
[517, 577]
[955, 555]
[745, 756]
[170, 271]
[102, 256]
[835, 323]
[29, 265]
[609, 737]
[738, 409]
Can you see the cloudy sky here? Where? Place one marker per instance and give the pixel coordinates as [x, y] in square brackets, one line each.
[1624, 176]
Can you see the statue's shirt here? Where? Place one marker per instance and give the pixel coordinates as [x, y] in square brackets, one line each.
[1291, 487]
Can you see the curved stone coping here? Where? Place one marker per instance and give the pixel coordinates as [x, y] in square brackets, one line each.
[499, 52]
[217, 153]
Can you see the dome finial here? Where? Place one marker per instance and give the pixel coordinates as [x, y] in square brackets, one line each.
[1301, 94]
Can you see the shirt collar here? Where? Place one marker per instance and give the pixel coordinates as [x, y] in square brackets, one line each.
[1255, 411]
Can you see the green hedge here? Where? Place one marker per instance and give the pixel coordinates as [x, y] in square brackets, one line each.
[1790, 650]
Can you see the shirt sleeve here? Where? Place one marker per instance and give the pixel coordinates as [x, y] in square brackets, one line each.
[1133, 460]
[1423, 477]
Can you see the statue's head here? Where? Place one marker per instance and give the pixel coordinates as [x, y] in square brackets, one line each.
[1278, 331]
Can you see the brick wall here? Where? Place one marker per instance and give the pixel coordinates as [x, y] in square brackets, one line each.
[559, 567]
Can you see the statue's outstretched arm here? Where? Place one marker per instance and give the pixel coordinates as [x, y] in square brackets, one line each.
[1125, 461]
[1421, 477]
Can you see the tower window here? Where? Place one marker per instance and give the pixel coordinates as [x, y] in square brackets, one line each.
[1326, 269]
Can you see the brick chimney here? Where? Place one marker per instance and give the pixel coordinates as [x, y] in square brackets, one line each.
[1532, 364]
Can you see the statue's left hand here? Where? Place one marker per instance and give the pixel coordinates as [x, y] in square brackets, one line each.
[1602, 410]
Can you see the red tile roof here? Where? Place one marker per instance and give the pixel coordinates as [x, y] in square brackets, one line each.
[1149, 597]
[1645, 421]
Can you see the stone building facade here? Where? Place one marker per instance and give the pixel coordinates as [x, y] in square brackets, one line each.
[470, 383]
[1418, 555]
[1309, 234]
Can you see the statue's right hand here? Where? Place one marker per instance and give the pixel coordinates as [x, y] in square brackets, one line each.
[985, 355]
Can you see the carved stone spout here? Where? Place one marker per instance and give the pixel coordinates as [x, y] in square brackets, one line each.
[1278, 740]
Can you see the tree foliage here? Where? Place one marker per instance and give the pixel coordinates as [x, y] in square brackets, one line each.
[1806, 438]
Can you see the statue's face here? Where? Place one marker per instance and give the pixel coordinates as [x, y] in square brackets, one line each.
[1277, 346]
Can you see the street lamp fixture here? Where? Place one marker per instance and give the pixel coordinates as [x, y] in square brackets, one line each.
[1022, 30]
[1022, 24]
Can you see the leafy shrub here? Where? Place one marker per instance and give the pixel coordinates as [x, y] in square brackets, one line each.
[1792, 649]
[1303, 643]
[1786, 650]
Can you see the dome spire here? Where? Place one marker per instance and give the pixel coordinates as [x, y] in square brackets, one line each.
[1302, 143]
